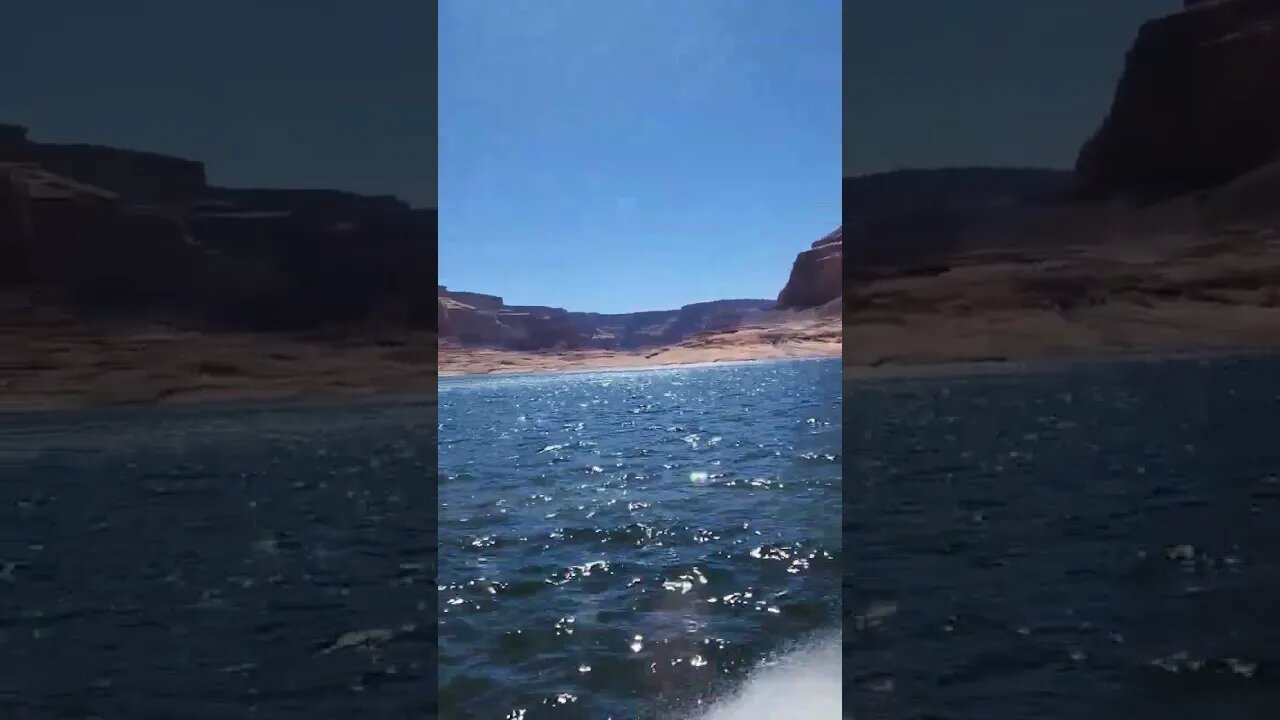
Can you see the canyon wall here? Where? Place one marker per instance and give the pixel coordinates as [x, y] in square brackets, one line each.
[817, 276]
[1197, 105]
[478, 319]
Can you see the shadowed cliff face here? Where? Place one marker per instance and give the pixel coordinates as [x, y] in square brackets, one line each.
[110, 230]
[1198, 104]
[817, 276]
[1197, 109]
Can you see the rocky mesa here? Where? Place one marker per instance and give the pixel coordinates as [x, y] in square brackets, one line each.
[817, 277]
[1197, 105]
[477, 319]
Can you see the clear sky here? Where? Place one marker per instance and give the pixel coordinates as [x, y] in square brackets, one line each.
[316, 93]
[932, 83]
[635, 154]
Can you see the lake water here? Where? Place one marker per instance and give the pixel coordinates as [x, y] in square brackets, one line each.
[218, 563]
[657, 543]
[1094, 542]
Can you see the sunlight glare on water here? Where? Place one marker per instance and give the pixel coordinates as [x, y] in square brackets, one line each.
[636, 544]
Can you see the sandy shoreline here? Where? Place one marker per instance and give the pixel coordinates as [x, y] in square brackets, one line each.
[1036, 339]
[622, 367]
[67, 365]
[813, 338]
[52, 367]
[61, 367]
[419, 384]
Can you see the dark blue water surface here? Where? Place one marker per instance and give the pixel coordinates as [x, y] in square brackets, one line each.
[1095, 542]
[218, 563]
[632, 544]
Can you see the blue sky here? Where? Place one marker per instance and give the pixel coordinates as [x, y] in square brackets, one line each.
[635, 154]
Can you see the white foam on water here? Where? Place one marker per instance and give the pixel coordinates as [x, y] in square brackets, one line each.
[803, 683]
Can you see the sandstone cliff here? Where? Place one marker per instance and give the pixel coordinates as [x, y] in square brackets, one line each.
[817, 276]
[478, 319]
[485, 320]
[1198, 104]
[631, 331]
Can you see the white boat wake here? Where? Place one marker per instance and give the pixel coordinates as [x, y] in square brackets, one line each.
[802, 683]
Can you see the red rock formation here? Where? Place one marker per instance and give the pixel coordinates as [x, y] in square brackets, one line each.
[651, 328]
[472, 326]
[538, 328]
[817, 277]
[1198, 104]
[478, 319]
[478, 301]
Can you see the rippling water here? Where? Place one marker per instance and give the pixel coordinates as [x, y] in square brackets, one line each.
[1095, 542]
[637, 544]
[218, 563]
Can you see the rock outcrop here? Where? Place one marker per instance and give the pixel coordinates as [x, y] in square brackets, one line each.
[468, 323]
[477, 301]
[817, 276]
[1198, 104]
[111, 230]
[478, 319]
[537, 328]
[653, 328]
